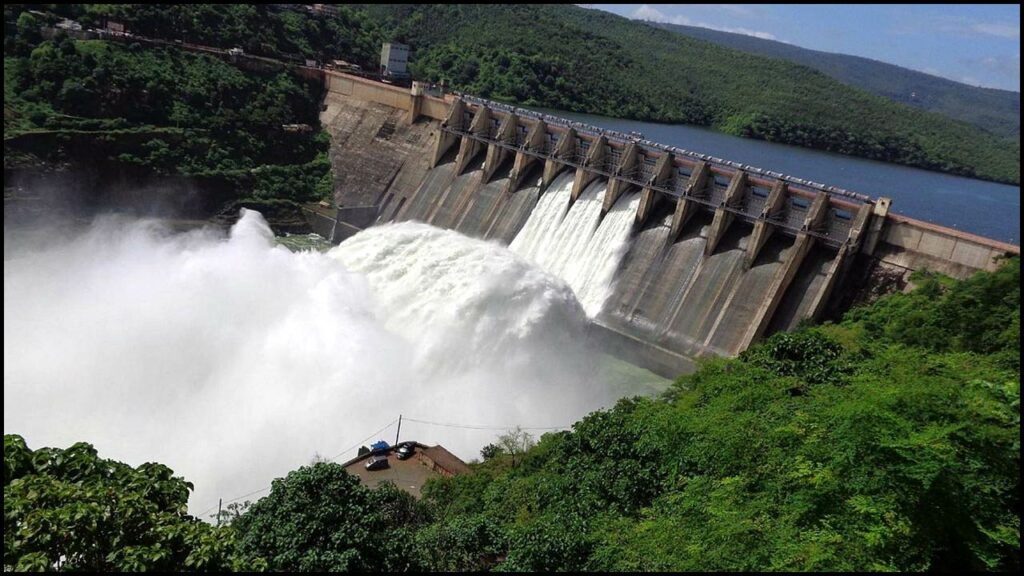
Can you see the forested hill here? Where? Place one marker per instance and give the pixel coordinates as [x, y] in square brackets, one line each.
[997, 111]
[591, 61]
[562, 57]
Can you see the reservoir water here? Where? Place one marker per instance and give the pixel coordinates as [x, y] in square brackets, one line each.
[976, 206]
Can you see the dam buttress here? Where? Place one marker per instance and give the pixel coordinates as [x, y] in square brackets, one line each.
[713, 255]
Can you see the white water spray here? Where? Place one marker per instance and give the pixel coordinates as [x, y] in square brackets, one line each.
[235, 361]
[573, 245]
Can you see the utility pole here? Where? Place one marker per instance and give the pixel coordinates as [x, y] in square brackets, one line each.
[399, 431]
[219, 502]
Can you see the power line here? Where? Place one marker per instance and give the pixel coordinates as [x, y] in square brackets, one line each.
[479, 427]
[254, 492]
[388, 425]
[357, 444]
[236, 499]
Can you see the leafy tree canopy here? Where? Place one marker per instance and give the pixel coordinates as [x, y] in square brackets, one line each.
[71, 510]
[320, 518]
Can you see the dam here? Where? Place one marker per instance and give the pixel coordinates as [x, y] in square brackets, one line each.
[673, 254]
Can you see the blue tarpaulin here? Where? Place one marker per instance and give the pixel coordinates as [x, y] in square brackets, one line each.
[379, 445]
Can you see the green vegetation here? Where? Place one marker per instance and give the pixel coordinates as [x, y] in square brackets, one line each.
[320, 518]
[303, 242]
[165, 111]
[889, 441]
[70, 510]
[997, 111]
[258, 29]
[561, 57]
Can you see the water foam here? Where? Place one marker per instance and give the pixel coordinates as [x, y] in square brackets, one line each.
[577, 245]
[233, 360]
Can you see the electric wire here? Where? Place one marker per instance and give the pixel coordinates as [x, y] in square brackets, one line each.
[388, 425]
[482, 427]
[353, 447]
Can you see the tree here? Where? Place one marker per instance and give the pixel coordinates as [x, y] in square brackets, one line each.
[231, 512]
[515, 442]
[28, 32]
[490, 451]
[320, 518]
[70, 510]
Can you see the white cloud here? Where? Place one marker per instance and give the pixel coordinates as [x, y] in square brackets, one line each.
[955, 26]
[746, 31]
[1005, 67]
[652, 14]
[997, 29]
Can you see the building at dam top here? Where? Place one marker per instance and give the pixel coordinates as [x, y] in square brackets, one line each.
[719, 254]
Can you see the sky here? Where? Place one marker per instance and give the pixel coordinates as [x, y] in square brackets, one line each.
[974, 44]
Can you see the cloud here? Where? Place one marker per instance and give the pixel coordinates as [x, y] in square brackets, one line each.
[652, 14]
[955, 26]
[997, 29]
[1005, 67]
[1000, 72]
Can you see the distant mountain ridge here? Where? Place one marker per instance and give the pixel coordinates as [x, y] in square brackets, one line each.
[997, 111]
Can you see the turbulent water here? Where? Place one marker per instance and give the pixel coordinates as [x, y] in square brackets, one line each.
[577, 245]
[234, 360]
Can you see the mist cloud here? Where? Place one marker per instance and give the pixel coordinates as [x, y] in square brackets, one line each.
[233, 360]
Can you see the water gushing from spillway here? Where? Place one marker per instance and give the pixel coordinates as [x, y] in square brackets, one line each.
[234, 361]
[577, 245]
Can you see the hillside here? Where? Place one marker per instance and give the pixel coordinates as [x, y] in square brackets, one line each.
[562, 57]
[115, 108]
[997, 111]
[590, 61]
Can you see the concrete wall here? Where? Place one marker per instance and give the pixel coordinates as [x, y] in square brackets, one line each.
[915, 244]
[370, 91]
[435, 108]
[376, 157]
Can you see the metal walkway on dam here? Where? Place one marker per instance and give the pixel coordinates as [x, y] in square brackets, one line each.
[720, 254]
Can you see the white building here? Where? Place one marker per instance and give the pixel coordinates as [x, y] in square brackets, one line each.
[394, 58]
[68, 24]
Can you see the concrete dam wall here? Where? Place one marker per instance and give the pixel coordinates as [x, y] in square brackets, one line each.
[672, 253]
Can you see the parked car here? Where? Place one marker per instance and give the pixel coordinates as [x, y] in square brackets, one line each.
[405, 450]
[377, 463]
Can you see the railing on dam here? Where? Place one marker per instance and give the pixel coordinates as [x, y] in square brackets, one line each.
[711, 201]
[591, 130]
[771, 201]
[830, 216]
[733, 190]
